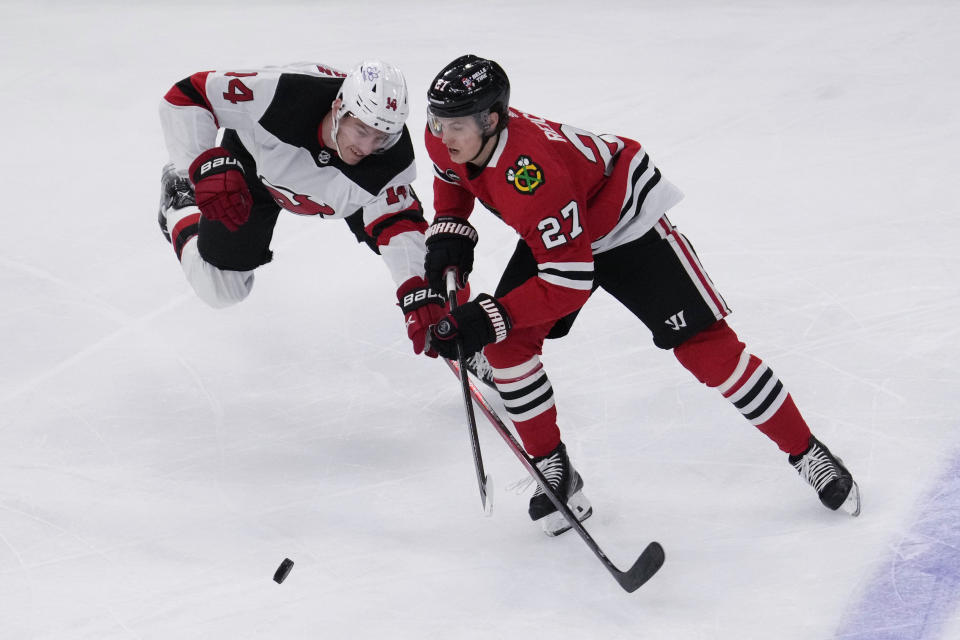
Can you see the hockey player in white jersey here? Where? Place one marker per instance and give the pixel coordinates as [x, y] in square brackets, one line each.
[308, 139]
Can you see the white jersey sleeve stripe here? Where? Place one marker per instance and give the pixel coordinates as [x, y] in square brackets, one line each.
[566, 266]
[580, 285]
[572, 275]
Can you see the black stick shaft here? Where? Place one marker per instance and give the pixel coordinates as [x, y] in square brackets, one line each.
[649, 561]
[482, 480]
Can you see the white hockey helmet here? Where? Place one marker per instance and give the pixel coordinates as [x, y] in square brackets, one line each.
[375, 92]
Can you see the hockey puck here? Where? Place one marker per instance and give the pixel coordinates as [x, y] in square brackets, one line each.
[283, 570]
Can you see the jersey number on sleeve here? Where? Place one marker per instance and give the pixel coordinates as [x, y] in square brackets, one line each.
[574, 134]
[237, 91]
[551, 227]
[394, 194]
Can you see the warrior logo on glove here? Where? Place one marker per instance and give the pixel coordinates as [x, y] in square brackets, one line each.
[474, 325]
[450, 243]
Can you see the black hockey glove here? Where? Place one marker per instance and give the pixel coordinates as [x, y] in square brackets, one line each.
[450, 243]
[175, 193]
[474, 324]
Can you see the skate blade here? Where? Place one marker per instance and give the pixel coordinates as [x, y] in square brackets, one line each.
[554, 524]
[852, 504]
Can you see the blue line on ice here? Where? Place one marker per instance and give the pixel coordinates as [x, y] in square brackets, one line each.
[916, 591]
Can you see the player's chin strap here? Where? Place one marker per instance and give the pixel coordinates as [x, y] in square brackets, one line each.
[483, 145]
[335, 127]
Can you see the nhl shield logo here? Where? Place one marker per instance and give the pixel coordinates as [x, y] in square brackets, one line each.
[525, 175]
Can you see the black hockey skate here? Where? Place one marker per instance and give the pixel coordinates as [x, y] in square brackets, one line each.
[565, 480]
[176, 192]
[479, 366]
[827, 475]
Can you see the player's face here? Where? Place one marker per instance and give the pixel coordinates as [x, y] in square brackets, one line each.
[461, 136]
[357, 140]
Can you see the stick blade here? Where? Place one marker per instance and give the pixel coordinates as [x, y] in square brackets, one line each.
[487, 496]
[643, 569]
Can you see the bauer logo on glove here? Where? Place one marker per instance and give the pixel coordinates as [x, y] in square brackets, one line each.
[216, 163]
[421, 308]
[220, 188]
[421, 295]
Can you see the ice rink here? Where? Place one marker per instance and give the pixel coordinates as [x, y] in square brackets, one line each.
[158, 459]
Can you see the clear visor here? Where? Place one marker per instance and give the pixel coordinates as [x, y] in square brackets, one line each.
[381, 140]
[476, 122]
[433, 121]
[387, 142]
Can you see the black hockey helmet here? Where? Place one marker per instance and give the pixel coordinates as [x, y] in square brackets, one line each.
[470, 85]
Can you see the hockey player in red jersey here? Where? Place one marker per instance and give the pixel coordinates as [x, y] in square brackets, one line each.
[305, 138]
[591, 212]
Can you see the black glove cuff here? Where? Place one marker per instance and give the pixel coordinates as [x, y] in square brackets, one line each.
[451, 228]
[475, 324]
[496, 315]
[211, 162]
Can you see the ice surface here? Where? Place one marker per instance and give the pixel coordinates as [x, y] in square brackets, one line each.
[158, 459]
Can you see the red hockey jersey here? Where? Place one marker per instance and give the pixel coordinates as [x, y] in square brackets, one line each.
[570, 194]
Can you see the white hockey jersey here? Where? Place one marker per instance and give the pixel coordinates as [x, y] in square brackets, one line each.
[277, 114]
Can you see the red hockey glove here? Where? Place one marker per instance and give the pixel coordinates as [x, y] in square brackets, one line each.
[421, 308]
[474, 324]
[221, 191]
[450, 243]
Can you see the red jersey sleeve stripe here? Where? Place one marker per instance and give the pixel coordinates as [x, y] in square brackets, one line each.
[398, 228]
[191, 92]
[386, 227]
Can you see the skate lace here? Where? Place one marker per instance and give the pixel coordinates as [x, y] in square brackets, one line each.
[817, 468]
[552, 470]
[480, 366]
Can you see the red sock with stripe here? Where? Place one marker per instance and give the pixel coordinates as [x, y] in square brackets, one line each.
[718, 359]
[528, 397]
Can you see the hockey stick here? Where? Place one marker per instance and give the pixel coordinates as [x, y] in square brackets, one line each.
[483, 480]
[649, 561]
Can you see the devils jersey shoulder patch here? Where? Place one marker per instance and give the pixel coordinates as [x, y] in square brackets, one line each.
[525, 175]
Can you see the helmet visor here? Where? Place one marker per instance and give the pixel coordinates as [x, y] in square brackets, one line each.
[367, 135]
[475, 122]
[433, 121]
